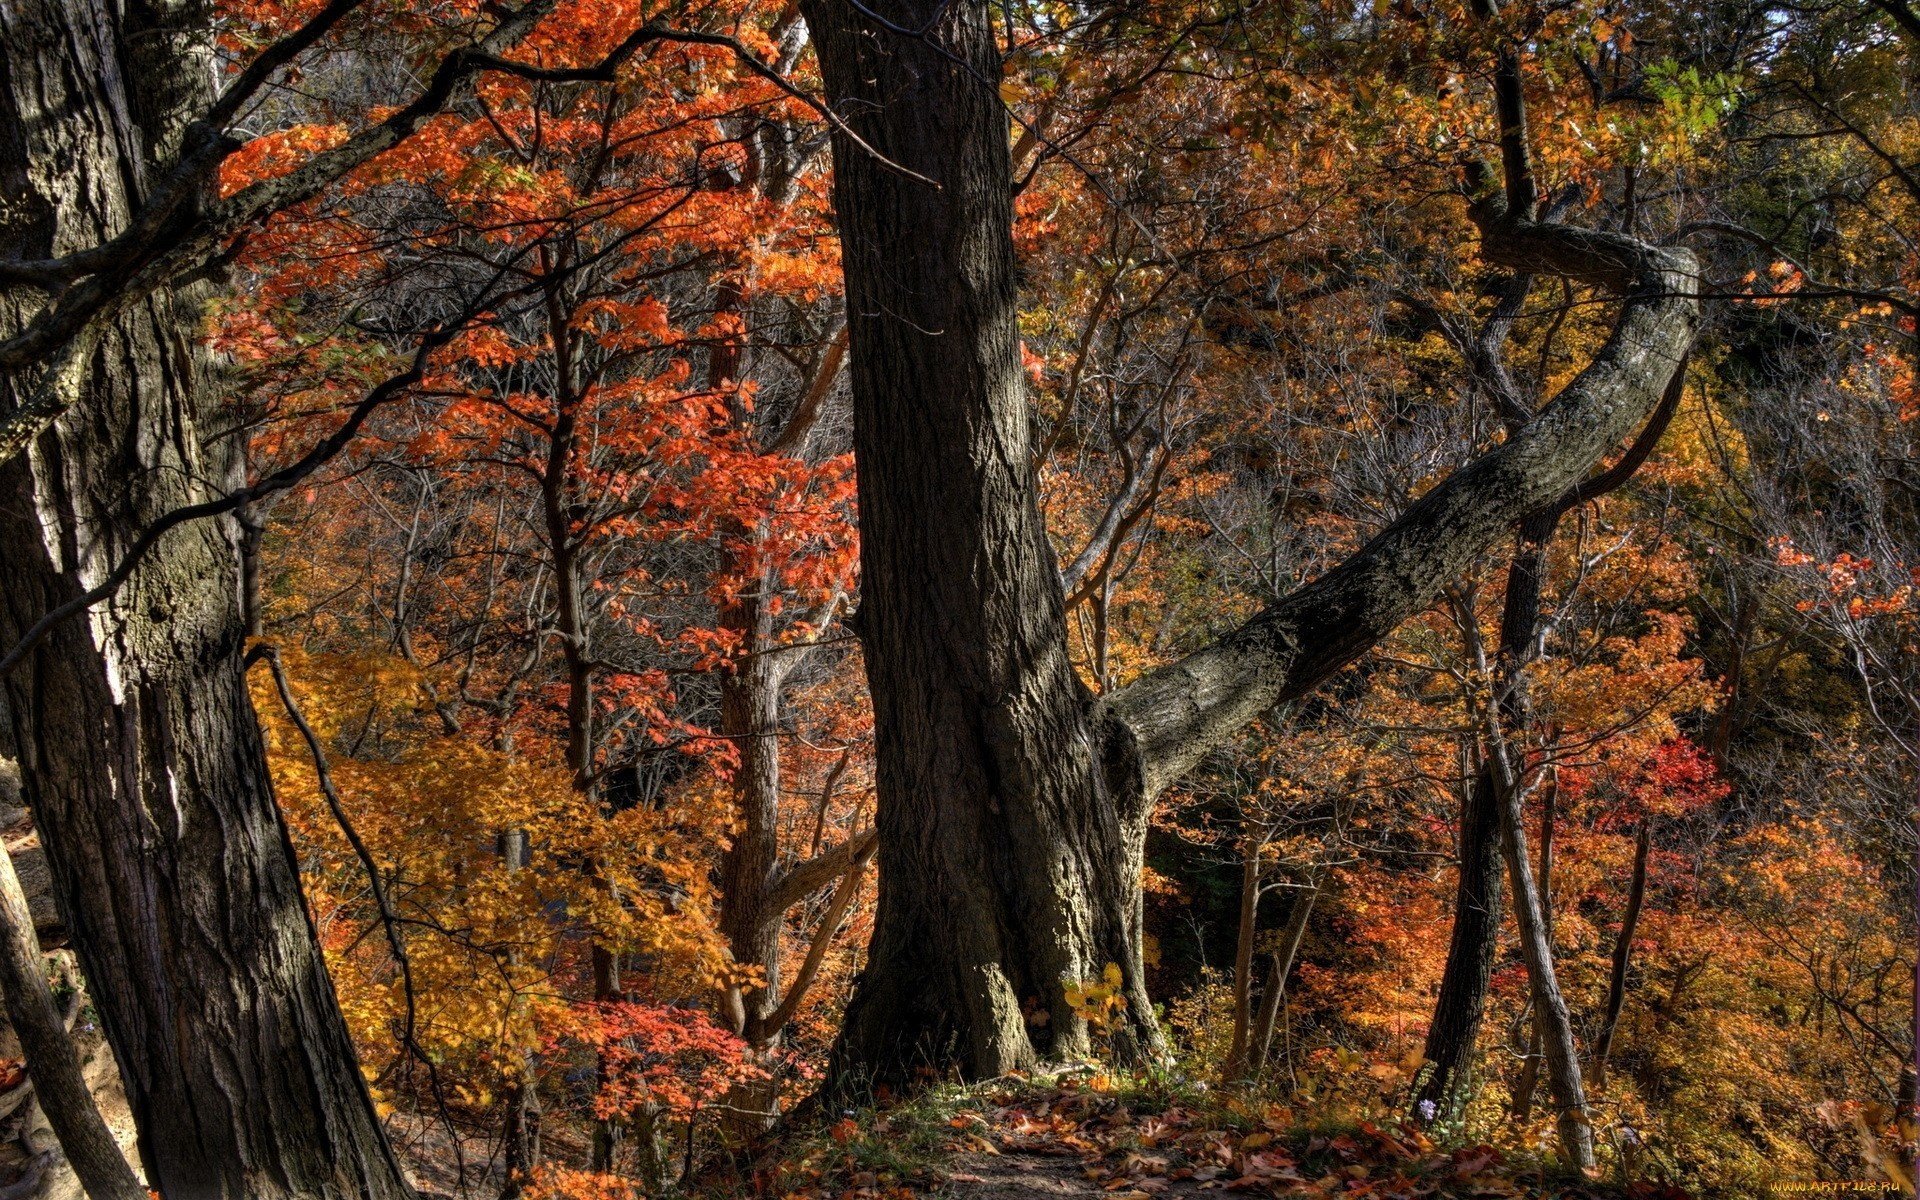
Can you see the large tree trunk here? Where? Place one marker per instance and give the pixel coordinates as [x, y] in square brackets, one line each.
[138, 747]
[1012, 806]
[1005, 875]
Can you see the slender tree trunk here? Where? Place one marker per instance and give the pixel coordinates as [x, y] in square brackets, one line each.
[1527, 1083]
[1529, 1080]
[1237, 1054]
[751, 919]
[139, 752]
[1005, 873]
[750, 720]
[1550, 1013]
[521, 1135]
[1453, 1037]
[1281, 961]
[52, 1062]
[1910, 1083]
[1622, 954]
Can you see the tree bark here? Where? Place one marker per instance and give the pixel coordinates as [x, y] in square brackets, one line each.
[1006, 875]
[1454, 1036]
[1013, 805]
[1623, 954]
[139, 752]
[1235, 1067]
[1529, 1081]
[1551, 1018]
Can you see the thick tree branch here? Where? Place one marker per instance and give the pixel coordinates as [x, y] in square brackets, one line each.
[1161, 725]
[805, 878]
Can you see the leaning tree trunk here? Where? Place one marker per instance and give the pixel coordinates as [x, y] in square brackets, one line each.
[52, 1062]
[1553, 1024]
[1005, 877]
[138, 748]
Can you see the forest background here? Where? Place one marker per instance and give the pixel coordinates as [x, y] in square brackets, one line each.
[535, 464]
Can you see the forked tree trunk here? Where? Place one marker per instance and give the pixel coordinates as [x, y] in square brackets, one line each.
[1012, 806]
[1453, 1038]
[1005, 875]
[139, 752]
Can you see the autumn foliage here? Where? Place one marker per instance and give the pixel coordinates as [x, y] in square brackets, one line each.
[615, 472]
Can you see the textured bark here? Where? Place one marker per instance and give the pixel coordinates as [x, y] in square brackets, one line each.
[1235, 1067]
[138, 748]
[1012, 806]
[1453, 1037]
[750, 919]
[1006, 875]
[1520, 1104]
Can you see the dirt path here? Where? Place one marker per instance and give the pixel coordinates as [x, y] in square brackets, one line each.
[1017, 1176]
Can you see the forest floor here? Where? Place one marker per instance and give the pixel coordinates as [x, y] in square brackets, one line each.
[1122, 1140]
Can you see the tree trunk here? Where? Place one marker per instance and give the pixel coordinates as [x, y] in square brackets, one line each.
[139, 752]
[1623, 954]
[1012, 806]
[1235, 1067]
[52, 1062]
[1005, 874]
[1529, 1081]
[1285, 952]
[1454, 1036]
[520, 1135]
[1551, 1018]
[751, 919]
